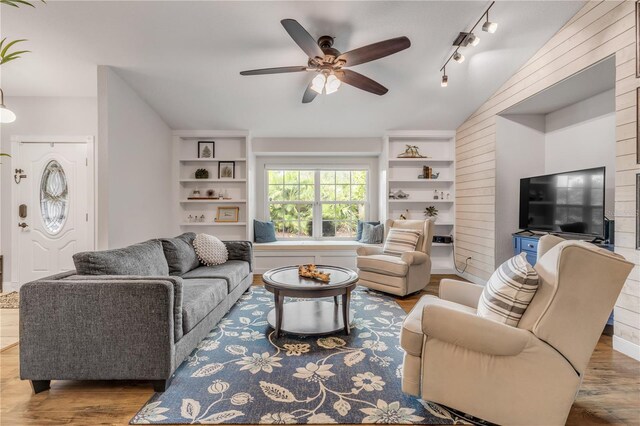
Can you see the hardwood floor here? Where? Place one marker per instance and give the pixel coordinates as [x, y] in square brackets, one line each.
[610, 393]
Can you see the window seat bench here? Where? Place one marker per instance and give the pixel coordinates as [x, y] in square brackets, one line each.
[320, 252]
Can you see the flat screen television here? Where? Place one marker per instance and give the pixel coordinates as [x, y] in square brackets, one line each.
[569, 202]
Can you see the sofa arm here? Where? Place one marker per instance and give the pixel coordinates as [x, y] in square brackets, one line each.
[368, 250]
[473, 332]
[240, 250]
[414, 257]
[460, 292]
[97, 329]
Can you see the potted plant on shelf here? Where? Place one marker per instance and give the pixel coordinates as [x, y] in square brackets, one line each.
[431, 212]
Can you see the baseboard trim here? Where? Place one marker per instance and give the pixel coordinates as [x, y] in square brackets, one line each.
[625, 347]
[9, 286]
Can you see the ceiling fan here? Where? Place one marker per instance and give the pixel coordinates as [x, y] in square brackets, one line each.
[329, 63]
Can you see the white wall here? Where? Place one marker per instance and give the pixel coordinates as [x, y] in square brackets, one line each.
[38, 116]
[520, 145]
[582, 136]
[134, 166]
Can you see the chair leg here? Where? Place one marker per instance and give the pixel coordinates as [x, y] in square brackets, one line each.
[40, 385]
[161, 385]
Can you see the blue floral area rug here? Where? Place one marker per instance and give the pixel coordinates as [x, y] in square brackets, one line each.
[242, 374]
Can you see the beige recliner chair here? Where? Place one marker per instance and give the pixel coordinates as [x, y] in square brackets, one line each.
[528, 374]
[402, 275]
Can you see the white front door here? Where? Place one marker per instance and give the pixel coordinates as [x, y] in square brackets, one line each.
[53, 204]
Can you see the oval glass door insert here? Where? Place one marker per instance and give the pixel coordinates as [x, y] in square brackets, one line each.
[54, 197]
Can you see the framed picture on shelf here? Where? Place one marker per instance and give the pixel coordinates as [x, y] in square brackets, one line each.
[227, 170]
[206, 149]
[228, 214]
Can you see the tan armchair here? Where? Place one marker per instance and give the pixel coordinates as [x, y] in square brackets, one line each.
[528, 374]
[398, 275]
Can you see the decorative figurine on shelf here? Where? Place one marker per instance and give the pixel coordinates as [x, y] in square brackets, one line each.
[403, 216]
[398, 195]
[442, 195]
[202, 174]
[412, 152]
[202, 218]
[190, 219]
[448, 196]
[435, 194]
[195, 193]
[211, 193]
[312, 271]
[431, 212]
[434, 175]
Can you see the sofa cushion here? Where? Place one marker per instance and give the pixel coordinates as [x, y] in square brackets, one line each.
[233, 272]
[144, 259]
[361, 226]
[199, 297]
[210, 249]
[180, 254]
[264, 232]
[383, 264]
[372, 234]
[509, 291]
[401, 240]
[411, 335]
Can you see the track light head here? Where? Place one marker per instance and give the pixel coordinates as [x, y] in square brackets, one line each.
[458, 57]
[445, 80]
[473, 39]
[490, 27]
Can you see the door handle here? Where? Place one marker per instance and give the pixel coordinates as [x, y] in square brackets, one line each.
[22, 225]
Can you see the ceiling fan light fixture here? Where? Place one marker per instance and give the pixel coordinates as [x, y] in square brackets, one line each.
[332, 85]
[458, 57]
[318, 82]
[6, 115]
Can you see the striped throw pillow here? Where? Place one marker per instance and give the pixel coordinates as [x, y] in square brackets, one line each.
[509, 291]
[400, 241]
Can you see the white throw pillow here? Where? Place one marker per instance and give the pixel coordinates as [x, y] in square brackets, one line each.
[210, 250]
[509, 291]
[400, 241]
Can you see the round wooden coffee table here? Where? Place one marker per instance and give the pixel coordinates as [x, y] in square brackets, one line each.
[310, 317]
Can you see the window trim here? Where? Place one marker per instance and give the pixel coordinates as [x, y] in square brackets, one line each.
[317, 203]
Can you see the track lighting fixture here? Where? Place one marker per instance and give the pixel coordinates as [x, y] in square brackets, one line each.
[488, 26]
[468, 38]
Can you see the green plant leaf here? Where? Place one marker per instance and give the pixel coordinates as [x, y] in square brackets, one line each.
[17, 3]
[3, 52]
[2, 154]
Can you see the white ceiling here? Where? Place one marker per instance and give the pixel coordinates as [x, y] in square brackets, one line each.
[183, 58]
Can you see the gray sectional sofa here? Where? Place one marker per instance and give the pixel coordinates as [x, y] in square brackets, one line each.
[127, 314]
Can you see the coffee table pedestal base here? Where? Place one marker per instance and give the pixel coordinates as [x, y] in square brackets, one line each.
[309, 318]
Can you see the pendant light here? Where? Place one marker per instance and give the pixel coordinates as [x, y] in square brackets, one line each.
[6, 115]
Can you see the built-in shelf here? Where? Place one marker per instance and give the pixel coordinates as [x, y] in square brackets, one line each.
[402, 174]
[230, 146]
[214, 224]
[214, 201]
[211, 160]
[214, 180]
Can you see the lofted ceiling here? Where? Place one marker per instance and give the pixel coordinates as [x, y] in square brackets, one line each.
[183, 58]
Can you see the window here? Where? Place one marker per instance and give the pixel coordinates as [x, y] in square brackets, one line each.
[53, 197]
[317, 203]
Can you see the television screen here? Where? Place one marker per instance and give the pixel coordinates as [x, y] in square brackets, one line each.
[570, 202]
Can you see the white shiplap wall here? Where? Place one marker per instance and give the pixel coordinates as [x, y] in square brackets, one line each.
[599, 30]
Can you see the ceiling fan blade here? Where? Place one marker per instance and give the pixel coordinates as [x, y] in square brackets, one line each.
[361, 82]
[375, 51]
[309, 95]
[302, 38]
[278, 70]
